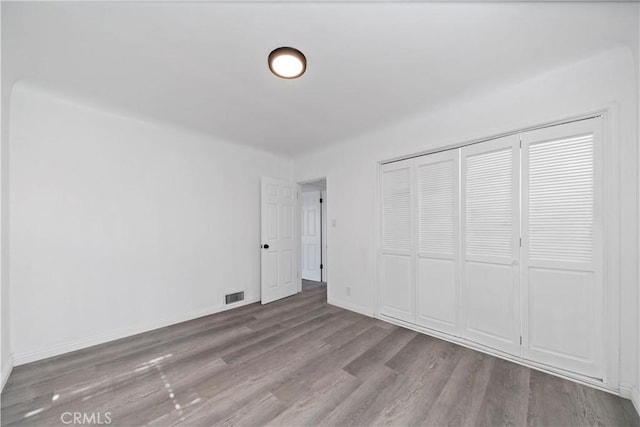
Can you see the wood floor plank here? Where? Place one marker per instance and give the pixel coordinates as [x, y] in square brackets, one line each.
[552, 401]
[426, 375]
[222, 402]
[380, 353]
[460, 400]
[506, 398]
[257, 413]
[264, 345]
[345, 335]
[290, 317]
[319, 400]
[293, 306]
[365, 403]
[603, 409]
[297, 361]
[261, 374]
[301, 381]
[416, 349]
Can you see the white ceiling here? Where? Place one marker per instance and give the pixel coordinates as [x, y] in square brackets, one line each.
[204, 65]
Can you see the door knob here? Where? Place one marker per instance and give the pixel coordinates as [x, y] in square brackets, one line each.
[515, 262]
[265, 246]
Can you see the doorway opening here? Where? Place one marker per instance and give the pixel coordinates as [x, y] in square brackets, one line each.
[313, 234]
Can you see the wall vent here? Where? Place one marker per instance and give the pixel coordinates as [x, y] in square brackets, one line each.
[231, 298]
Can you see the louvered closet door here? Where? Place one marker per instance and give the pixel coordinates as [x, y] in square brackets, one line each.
[562, 246]
[490, 243]
[437, 282]
[396, 293]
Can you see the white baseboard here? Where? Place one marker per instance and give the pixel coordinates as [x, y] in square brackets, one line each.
[625, 391]
[366, 311]
[7, 367]
[67, 347]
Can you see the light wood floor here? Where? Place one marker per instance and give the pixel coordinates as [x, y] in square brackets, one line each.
[297, 361]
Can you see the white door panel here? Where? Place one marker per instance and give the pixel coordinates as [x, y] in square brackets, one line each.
[311, 237]
[490, 243]
[564, 328]
[562, 246]
[437, 294]
[437, 275]
[277, 231]
[491, 297]
[396, 296]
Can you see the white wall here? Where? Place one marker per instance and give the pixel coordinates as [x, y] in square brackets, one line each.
[120, 225]
[5, 351]
[351, 170]
[636, 391]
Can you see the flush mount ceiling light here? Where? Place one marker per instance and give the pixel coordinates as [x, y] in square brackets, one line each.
[287, 62]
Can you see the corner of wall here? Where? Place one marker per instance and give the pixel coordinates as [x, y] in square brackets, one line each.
[365, 311]
[7, 367]
[635, 392]
[635, 398]
[5, 357]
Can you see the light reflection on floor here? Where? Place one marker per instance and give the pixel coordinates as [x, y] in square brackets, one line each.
[156, 364]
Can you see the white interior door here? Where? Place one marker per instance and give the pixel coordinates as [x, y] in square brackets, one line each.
[562, 246]
[278, 265]
[490, 243]
[437, 270]
[396, 294]
[311, 229]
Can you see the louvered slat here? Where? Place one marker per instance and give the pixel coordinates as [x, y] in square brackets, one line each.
[561, 199]
[489, 204]
[396, 210]
[436, 198]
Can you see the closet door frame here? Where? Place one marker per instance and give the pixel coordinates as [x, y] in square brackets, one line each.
[611, 247]
[611, 243]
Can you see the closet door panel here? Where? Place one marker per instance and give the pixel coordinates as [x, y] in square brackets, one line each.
[490, 298]
[396, 295]
[397, 298]
[490, 243]
[437, 294]
[564, 327]
[562, 246]
[437, 207]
